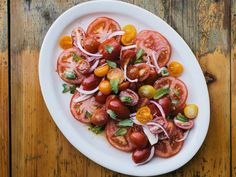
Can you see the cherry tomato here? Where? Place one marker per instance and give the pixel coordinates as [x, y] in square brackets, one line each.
[165, 103]
[130, 34]
[175, 68]
[127, 57]
[147, 91]
[191, 111]
[99, 117]
[100, 97]
[101, 71]
[65, 42]
[83, 67]
[105, 87]
[153, 76]
[144, 115]
[132, 72]
[144, 71]
[139, 139]
[110, 49]
[184, 125]
[102, 27]
[130, 94]
[142, 102]
[124, 85]
[91, 44]
[116, 73]
[140, 155]
[90, 82]
[118, 107]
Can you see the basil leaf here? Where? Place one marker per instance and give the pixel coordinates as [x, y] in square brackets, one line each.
[181, 117]
[66, 88]
[126, 123]
[96, 129]
[139, 53]
[88, 114]
[114, 85]
[72, 89]
[76, 58]
[69, 74]
[126, 99]
[109, 48]
[138, 61]
[161, 92]
[111, 64]
[112, 114]
[120, 132]
[165, 72]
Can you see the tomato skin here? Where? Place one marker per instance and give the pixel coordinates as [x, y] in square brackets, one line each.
[165, 103]
[175, 68]
[116, 73]
[142, 102]
[100, 97]
[101, 71]
[91, 44]
[90, 82]
[153, 76]
[132, 72]
[147, 91]
[141, 155]
[83, 67]
[115, 51]
[139, 139]
[105, 87]
[99, 117]
[119, 108]
[127, 57]
[124, 85]
[130, 34]
[144, 71]
[184, 125]
[65, 42]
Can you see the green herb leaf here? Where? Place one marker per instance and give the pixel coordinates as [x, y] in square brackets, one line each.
[177, 92]
[161, 92]
[139, 53]
[120, 132]
[169, 117]
[96, 129]
[111, 64]
[112, 114]
[174, 102]
[165, 72]
[109, 48]
[126, 123]
[181, 117]
[126, 99]
[69, 74]
[114, 85]
[138, 61]
[76, 58]
[88, 115]
[66, 88]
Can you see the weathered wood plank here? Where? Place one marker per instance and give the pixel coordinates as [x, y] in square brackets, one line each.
[4, 99]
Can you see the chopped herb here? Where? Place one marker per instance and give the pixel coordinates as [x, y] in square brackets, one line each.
[165, 72]
[96, 129]
[114, 85]
[126, 123]
[169, 117]
[111, 64]
[109, 48]
[69, 74]
[76, 58]
[120, 132]
[161, 92]
[139, 53]
[72, 89]
[67, 88]
[181, 118]
[126, 99]
[138, 61]
[177, 92]
[88, 115]
[112, 114]
[174, 102]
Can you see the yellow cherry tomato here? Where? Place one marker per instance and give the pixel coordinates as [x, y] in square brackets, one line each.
[116, 73]
[144, 115]
[147, 91]
[101, 71]
[65, 42]
[175, 68]
[129, 36]
[105, 87]
[191, 111]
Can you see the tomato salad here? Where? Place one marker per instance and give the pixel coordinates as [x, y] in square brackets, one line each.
[124, 83]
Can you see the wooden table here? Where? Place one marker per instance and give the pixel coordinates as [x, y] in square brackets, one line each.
[30, 143]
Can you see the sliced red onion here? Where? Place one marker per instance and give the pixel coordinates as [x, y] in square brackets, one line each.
[184, 125]
[126, 77]
[89, 59]
[128, 47]
[159, 126]
[184, 137]
[94, 66]
[154, 58]
[134, 119]
[87, 92]
[159, 107]
[81, 98]
[153, 139]
[150, 156]
[133, 114]
[116, 33]
[162, 137]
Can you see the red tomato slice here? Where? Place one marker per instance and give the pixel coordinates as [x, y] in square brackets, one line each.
[169, 147]
[78, 35]
[120, 142]
[79, 110]
[127, 57]
[152, 41]
[66, 62]
[102, 27]
[144, 71]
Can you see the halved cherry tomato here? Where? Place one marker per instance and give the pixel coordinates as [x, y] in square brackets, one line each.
[101, 71]
[144, 71]
[79, 109]
[138, 138]
[132, 72]
[130, 94]
[153, 76]
[116, 73]
[147, 91]
[144, 115]
[140, 155]
[120, 142]
[105, 87]
[130, 34]
[102, 27]
[83, 67]
[99, 117]
[175, 68]
[65, 42]
[127, 57]
[110, 49]
[91, 44]
[124, 85]
[90, 82]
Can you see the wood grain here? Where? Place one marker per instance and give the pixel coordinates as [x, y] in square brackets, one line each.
[4, 101]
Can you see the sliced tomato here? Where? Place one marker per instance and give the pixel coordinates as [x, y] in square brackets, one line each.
[79, 109]
[127, 57]
[122, 143]
[102, 27]
[78, 35]
[66, 62]
[152, 41]
[169, 147]
[144, 71]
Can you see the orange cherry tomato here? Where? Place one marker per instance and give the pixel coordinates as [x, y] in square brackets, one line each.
[144, 115]
[116, 73]
[105, 87]
[130, 34]
[65, 42]
[175, 68]
[101, 71]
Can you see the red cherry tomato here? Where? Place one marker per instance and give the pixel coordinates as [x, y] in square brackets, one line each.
[124, 85]
[138, 138]
[165, 103]
[91, 44]
[140, 155]
[153, 76]
[132, 72]
[110, 49]
[91, 82]
[142, 102]
[83, 67]
[99, 117]
[127, 57]
[100, 97]
[144, 71]
[102, 27]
